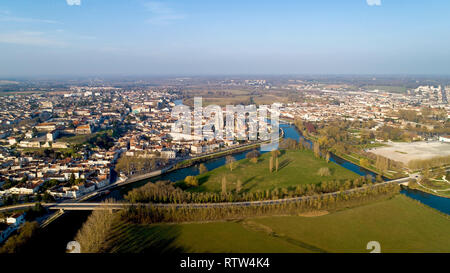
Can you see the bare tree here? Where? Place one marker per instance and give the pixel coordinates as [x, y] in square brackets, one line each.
[230, 161]
[93, 234]
[271, 164]
[224, 185]
[238, 186]
[202, 168]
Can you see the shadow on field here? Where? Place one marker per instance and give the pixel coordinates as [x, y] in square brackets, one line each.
[284, 163]
[244, 184]
[203, 179]
[134, 238]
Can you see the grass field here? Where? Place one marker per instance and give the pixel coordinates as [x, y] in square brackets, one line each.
[296, 167]
[77, 139]
[81, 139]
[399, 224]
[224, 97]
[387, 88]
[198, 237]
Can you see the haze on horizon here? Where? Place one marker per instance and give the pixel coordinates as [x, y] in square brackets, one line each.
[83, 37]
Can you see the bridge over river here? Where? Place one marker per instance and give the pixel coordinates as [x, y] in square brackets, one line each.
[86, 206]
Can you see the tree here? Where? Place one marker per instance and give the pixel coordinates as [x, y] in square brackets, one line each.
[382, 163]
[271, 164]
[191, 181]
[253, 154]
[364, 162]
[17, 242]
[327, 158]
[94, 233]
[238, 186]
[316, 149]
[24, 179]
[275, 153]
[72, 179]
[276, 164]
[379, 178]
[323, 142]
[202, 169]
[324, 172]
[412, 183]
[288, 144]
[230, 161]
[224, 185]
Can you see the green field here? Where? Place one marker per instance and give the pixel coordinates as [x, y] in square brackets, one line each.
[198, 237]
[295, 167]
[387, 88]
[399, 224]
[77, 139]
[237, 96]
[82, 139]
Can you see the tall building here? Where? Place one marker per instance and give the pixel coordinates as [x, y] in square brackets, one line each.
[446, 91]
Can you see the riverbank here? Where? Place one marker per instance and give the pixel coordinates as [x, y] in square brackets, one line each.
[439, 203]
[356, 162]
[296, 168]
[200, 159]
[394, 222]
[190, 162]
[424, 190]
[347, 157]
[64, 229]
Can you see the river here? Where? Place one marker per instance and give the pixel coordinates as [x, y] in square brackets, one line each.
[289, 132]
[62, 230]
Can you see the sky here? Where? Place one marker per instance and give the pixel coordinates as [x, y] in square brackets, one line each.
[212, 37]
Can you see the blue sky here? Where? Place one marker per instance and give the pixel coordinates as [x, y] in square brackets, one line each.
[192, 37]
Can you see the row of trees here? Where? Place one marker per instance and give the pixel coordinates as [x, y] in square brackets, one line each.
[94, 233]
[132, 165]
[331, 138]
[274, 157]
[150, 215]
[253, 156]
[417, 164]
[167, 192]
[16, 243]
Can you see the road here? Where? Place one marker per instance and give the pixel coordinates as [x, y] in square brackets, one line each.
[116, 206]
[121, 183]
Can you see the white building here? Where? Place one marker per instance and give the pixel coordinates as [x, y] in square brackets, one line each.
[16, 219]
[444, 139]
[168, 154]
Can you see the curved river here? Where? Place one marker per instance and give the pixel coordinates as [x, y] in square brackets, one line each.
[289, 132]
[63, 230]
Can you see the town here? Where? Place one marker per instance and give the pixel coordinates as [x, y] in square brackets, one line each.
[57, 145]
[80, 142]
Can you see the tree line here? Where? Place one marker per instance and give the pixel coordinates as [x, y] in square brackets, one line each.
[140, 214]
[168, 192]
[135, 165]
[418, 164]
[94, 236]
